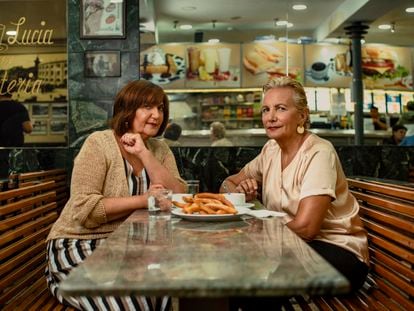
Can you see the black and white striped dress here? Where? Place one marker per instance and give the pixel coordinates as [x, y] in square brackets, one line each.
[65, 254]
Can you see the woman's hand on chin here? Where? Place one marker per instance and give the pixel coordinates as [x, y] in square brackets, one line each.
[133, 143]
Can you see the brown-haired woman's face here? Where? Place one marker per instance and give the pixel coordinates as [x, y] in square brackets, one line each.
[148, 120]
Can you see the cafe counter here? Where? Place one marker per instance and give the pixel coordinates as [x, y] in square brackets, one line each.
[257, 137]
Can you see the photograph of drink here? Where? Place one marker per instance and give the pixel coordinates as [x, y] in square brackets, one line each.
[213, 65]
[327, 65]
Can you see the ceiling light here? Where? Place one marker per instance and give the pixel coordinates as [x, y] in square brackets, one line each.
[283, 39]
[384, 26]
[186, 26]
[11, 32]
[362, 41]
[410, 10]
[213, 40]
[299, 7]
[281, 23]
[289, 25]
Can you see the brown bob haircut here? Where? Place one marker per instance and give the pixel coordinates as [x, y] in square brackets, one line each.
[136, 94]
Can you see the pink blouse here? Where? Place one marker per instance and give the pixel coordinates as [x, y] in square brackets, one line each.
[315, 170]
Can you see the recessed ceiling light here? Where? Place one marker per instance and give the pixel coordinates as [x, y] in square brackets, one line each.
[384, 26]
[188, 8]
[213, 40]
[299, 7]
[289, 25]
[186, 26]
[410, 10]
[11, 32]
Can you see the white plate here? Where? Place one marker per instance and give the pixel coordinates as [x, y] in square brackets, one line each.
[196, 217]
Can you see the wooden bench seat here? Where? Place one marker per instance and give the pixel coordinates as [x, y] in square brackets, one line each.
[387, 212]
[26, 216]
[59, 176]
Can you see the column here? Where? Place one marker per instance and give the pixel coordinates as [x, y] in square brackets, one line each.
[355, 32]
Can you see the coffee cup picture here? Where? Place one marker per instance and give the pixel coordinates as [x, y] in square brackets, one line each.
[319, 71]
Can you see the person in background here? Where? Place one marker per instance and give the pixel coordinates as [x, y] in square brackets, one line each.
[398, 134]
[127, 162]
[301, 174]
[378, 122]
[407, 118]
[218, 135]
[172, 134]
[14, 123]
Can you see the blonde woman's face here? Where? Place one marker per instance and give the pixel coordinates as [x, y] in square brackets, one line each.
[280, 116]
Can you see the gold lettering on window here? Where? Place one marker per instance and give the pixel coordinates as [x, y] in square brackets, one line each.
[41, 36]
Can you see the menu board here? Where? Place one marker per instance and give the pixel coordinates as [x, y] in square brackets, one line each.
[311, 97]
[393, 102]
[263, 61]
[386, 67]
[323, 98]
[164, 64]
[368, 100]
[327, 65]
[379, 100]
[349, 104]
[212, 65]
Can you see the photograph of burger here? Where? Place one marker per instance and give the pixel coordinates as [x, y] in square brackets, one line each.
[381, 67]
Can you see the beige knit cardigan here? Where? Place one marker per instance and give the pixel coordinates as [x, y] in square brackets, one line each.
[99, 172]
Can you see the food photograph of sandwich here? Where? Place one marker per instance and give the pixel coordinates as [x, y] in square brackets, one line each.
[386, 67]
[264, 61]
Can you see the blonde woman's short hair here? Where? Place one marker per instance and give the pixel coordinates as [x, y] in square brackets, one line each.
[299, 97]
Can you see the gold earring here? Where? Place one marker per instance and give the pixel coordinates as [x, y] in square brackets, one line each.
[300, 129]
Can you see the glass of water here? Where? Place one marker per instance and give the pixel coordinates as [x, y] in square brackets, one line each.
[160, 203]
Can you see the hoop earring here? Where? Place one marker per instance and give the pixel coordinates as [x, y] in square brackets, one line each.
[300, 129]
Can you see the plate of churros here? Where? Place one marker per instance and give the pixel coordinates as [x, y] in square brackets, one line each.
[206, 206]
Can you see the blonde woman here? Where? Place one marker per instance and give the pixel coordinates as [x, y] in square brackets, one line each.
[300, 173]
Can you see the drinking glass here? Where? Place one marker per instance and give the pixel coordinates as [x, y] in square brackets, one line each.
[193, 186]
[160, 203]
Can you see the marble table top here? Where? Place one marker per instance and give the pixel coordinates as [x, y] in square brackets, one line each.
[249, 257]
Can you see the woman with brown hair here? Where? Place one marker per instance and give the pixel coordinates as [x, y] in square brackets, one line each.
[111, 176]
